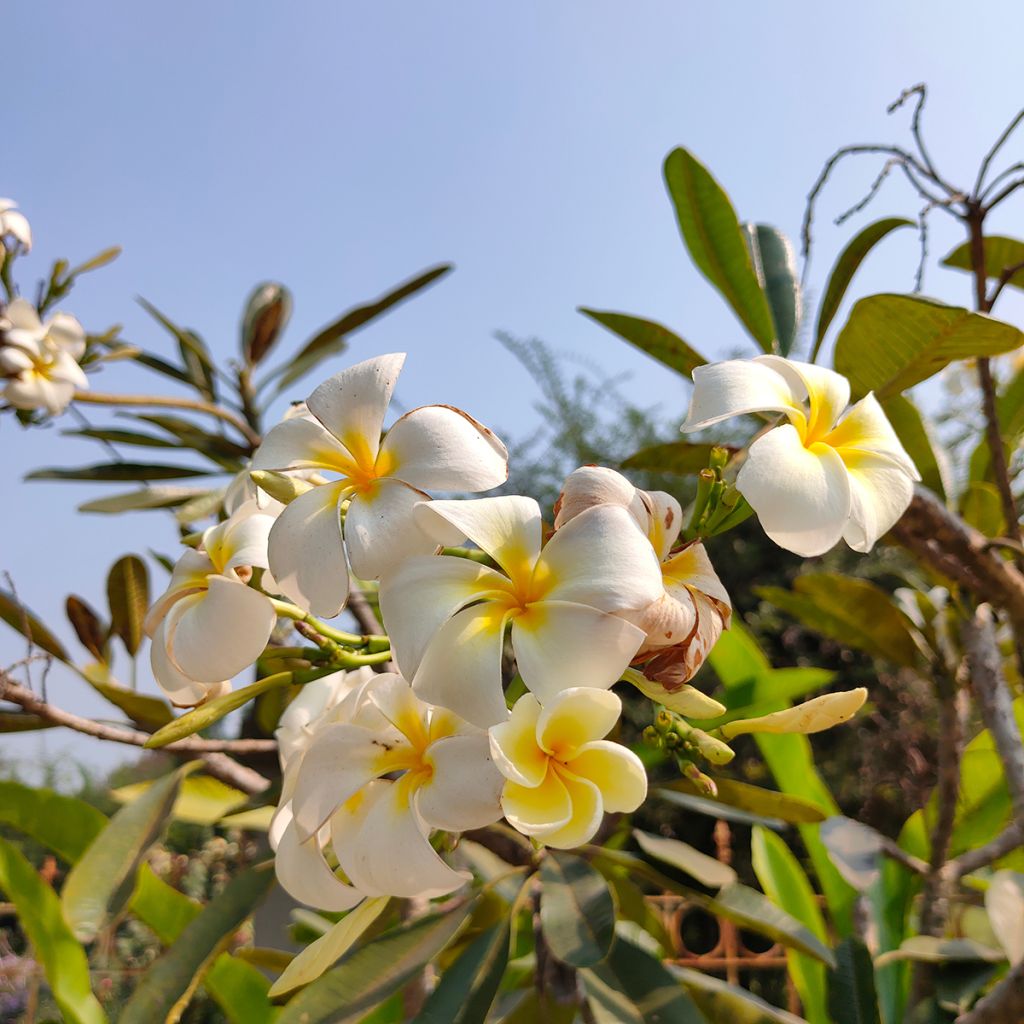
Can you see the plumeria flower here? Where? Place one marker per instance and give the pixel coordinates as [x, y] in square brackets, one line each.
[14, 224]
[562, 774]
[686, 621]
[372, 788]
[435, 446]
[40, 359]
[833, 471]
[209, 625]
[447, 615]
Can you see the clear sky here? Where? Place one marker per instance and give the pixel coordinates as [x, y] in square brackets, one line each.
[341, 147]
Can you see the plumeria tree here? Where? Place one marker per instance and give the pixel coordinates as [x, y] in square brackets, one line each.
[458, 707]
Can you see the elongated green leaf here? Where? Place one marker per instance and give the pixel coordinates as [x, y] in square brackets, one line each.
[63, 824]
[91, 632]
[712, 233]
[892, 342]
[852, 998]
[371, 973]
[214, 710]
[201, 799]
[720, 1001]
[187, 433]
[194, 353]
[101, 881]
[332, 338]
[916, 437]
[708, 871]
[467, 989]
[153, 362]
[1001, 253]
[577, 912]
[115, 471]
[775, 265]
[63, 959]
[657, 341]
[132, 437]
[982, 507]
[632, 987]
[146, 711]
[929, 949]
[784, 881]
[21, 721]
[322, 954]
[671, 457]
[142, 500]
[128, 595]
[101, 259]
[165, 989]
[29, 626]
[844, 270]
[855, 612]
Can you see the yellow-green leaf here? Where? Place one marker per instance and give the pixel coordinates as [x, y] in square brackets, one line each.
[1001, 253]
[657, 341]
[28, 625]
[201, 799]
[128, 595]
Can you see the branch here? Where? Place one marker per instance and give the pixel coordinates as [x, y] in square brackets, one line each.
[1004, 1004]
[1004, 280]
[997, 145]
[1010, 839]
[99, 398]
[921, 91]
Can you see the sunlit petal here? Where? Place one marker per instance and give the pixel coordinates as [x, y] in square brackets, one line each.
[514, 745]
[465, 788]
[616, 771]
[828, 392]
[576, 717]
[866, 428]
[723, 390]
[596, 485]
[305, 876]
[880, 492]
[537, 810]
[587, 812]
[181, 691]
[380, 529]
[300, 443]
[666, 521]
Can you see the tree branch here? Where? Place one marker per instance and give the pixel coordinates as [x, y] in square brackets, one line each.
[1003, 1005]
[996, 146]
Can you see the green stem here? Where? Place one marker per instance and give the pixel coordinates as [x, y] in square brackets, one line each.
[371, 642]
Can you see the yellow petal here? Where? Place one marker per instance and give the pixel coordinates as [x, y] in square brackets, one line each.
[538, 810]
[587, 812]
[514, 744]
[616, 771]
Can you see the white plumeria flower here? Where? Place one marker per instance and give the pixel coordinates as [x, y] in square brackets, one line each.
[833, 471]
[372, 788]
[436, 446]
[15, 225]
[41, 359]
[210, 625]
[447, 615]
[562, 773]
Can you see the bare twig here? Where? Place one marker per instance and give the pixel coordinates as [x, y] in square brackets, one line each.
[990, 155]
[1010, 839]
[1004, 279]
[1001, 176]
[1005, 193]
[921, 92]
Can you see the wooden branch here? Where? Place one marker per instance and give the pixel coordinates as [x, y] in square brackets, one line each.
[1010, 839]
[1003, 1005]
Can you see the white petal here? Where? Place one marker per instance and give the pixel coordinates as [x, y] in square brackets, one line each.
[33, 391]
[880, 493]
[381, 531]
[691, 567]
[465, 789]
[866, 428]
[443, 448]
[67, 370]
[616, 771]
[22, 316]
[17, 224]
[801, 496]
[67, 333]
[514, 746]
[418, 597]
[300, 443]
[827, 392]
[538, 810]
[352, 404]
[304, 874]
[596, 485]
[602, 559]
[188, 577]
[14, 360]
[461, 669]
[574, 718]
[666, 522]
[181, 691]
[222, 632]
[736, 386]
[508, 527]
[670, 620]
[395, 700]
[240, 540]
[307, 556]
[388, 851]
[559, 645]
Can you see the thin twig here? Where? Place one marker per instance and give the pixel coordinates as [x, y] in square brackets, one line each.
[990, 155]
[921, 91]
[1001, 176]
[1004, 279]
[1004, 194]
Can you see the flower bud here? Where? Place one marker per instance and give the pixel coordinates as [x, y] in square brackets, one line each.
[266, 316]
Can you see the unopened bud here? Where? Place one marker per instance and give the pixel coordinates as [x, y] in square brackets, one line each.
[266, 315]
[281, 486]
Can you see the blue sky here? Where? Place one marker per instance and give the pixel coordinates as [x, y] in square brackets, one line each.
[341, 147]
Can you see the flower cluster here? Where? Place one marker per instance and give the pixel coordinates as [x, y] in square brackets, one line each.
[491, 694]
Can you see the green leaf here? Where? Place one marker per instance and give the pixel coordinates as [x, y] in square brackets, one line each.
[23, 621]
[371, 973]
[214, 710]
[844, 270]
[775, 265]
[117, 471]
[708, 871]
[1001, 253]
[63, 959]
[267, 312]
[101, 882]
[132, 437]
[22, 721]
[981, 506]
[856, 850]
[166, 988]
[787, 886]
[128, 595]
[195, 355]
[91, 632]
[680, 457]
[931, 950]
[217, 447]
[852, 998]
[467, 989]
[892, 342]
[63, 824]
[201, 799]
[916, 437]
[632, 987]
[309, 963]
[782, 807]
[657, 341]
[162, 366]
[147, 498]
[332, 338]
[101, 259]
[854, 612]
[720, 1001]
[715, 241]
[577, 913]
[146, 711]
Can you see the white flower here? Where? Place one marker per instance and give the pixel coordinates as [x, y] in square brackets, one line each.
[831, 472]
[447, 615]
[435, 446]
[40, 359]
[371, 788]
[209, 625]
[562, 773]
[14, 225]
